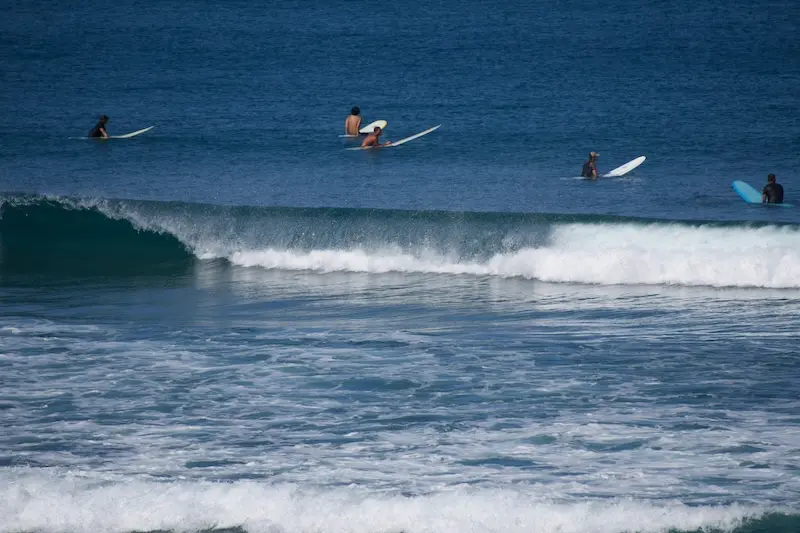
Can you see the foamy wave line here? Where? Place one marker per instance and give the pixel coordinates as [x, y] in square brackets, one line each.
[48, 504]
[617, 254]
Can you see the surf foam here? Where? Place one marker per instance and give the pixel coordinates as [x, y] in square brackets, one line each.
[70, 504]
[615, 254]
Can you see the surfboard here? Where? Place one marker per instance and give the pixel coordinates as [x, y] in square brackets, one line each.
[401, 141]
[369, 128]
[751, 195]
[624, 169]
[131, 134]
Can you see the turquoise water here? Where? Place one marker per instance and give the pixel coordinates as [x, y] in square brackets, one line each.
[231, 323]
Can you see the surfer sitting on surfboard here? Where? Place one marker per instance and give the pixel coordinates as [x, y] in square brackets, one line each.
[772, 192]
[353, 122]
[590, 167]
[99, 131]
[373, 139]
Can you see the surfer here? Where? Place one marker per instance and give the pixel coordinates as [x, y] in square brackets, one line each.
[353, 122]
[373, 139]
[99, 131]
[590, 167]
[772, 192]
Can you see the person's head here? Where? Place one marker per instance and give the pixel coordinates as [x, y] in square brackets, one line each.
[771, 178]
[377, 130]
[593, 155]
[103, 118]
[355, 111]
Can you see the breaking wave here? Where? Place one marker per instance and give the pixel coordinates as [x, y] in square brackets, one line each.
[134, 237]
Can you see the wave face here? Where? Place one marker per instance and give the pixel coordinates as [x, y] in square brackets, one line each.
[119, 237]
[65, 237]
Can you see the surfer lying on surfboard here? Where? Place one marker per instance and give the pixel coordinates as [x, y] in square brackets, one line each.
[373, 139]
[99, 130]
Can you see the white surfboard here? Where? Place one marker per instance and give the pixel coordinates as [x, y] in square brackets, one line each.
[131, 134]
[369, 128]
[401, 141]
[624, 169]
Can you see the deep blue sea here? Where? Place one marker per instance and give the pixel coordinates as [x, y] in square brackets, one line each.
[231, 324]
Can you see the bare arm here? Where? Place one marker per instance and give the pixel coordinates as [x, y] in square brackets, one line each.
[104, 132]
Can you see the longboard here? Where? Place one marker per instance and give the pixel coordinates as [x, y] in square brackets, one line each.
[369, 128]
[624, 169]
[751, 195]
[131, 134]
[126, 136]
[401, 141]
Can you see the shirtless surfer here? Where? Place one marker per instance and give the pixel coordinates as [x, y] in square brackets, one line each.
[353, 122]
[99, 130]
[373, 139]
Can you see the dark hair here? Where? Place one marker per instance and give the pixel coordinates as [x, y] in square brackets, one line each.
[771, 177]
[355, 111]
[104, 118]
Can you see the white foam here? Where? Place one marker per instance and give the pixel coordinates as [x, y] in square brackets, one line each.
[560, 427]
[616, 254]
[49, 503]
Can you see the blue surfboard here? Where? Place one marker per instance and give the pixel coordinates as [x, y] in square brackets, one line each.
[750, 195]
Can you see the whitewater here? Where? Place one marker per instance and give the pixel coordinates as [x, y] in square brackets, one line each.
[82, 506]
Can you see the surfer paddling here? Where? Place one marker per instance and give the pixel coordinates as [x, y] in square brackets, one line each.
[772, 192]
[353, 122]
[373, 139]
[590, 167]
[99, 130]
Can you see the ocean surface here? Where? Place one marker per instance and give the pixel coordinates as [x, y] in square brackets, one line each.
[231, 324]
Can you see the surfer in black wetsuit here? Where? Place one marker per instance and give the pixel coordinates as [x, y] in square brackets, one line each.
[99, 131]
[773, 192]
[590, 167]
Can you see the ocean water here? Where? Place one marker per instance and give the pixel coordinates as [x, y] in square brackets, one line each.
[232, 324]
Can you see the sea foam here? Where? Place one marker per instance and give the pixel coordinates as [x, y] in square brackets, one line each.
[47, 503]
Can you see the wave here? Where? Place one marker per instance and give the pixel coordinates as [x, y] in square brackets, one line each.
[57, 504]
[126, 236]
